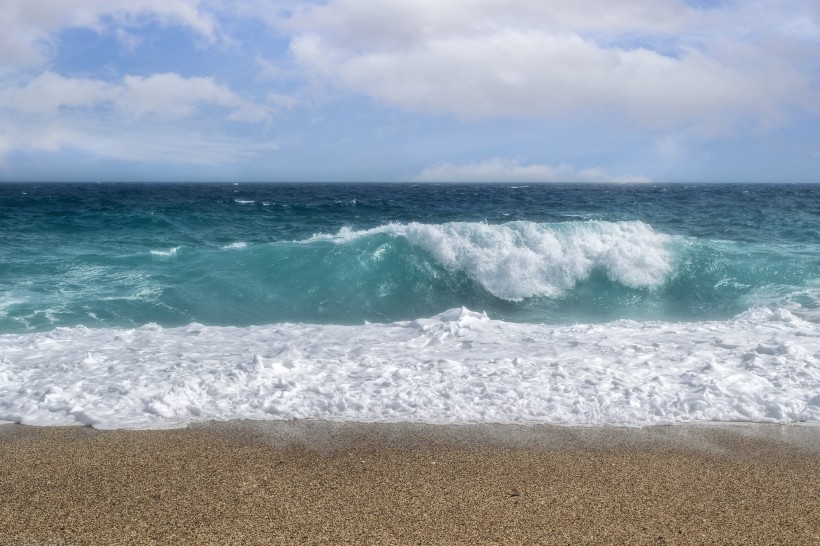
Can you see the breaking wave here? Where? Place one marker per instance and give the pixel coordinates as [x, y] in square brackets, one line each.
[519, 260]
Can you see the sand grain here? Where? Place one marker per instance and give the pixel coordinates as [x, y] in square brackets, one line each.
[383, 484]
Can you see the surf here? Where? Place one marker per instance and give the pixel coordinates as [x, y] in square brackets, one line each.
[459, 366]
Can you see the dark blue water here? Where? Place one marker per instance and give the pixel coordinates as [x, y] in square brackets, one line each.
[224, 254]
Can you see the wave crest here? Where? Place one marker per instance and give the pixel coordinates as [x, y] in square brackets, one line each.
[518, 260]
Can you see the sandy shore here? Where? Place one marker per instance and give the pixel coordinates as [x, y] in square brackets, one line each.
[331, 483]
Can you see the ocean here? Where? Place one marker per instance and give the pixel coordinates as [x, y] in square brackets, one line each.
[154, 305]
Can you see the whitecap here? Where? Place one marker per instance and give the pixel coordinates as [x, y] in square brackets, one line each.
[518, 260]
[165, 253]
[236, 246]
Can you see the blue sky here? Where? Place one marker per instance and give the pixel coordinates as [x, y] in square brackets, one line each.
[410, 90]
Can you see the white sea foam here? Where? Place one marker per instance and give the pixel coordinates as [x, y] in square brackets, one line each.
[165, 253]
[244, 202]
[804, 301]
[521, 259]
[236, 246]
[459, 366]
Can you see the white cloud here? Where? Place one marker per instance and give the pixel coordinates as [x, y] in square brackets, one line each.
[28, 27]
[173, 145]
[268, 68]
[505, 170]
[403, 23]
[545, 58]
[677, 70]
[163, 96]
[48, 138]
[129, 40]
[52, 113]
[285, 102]
[49, 92]
[176, 146]
[169, 96]
[520, 74]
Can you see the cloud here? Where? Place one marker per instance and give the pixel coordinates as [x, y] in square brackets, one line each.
[29, 26]
[505, 170]
[164, 96]
[51, 113]
[660, 63]
[52, 137]
[170, 96]
[175, 146]
[47, 93]
[517, 74]
[171, 145]
[398, 24]
[652, 79]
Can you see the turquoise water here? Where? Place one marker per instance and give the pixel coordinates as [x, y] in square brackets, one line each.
[122, 255]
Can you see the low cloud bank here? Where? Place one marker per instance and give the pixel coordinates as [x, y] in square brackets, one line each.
[504, 170]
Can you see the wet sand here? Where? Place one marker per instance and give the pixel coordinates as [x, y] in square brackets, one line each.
[312, 482]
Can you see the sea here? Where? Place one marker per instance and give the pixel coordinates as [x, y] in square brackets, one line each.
[157, 305]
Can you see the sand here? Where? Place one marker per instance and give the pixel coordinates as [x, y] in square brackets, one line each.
[345, 483]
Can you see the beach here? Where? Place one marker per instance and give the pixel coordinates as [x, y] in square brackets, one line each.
[295, 364]
[319, 482]
[409, 273]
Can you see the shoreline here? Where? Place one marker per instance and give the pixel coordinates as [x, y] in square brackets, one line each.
[320, 482]
[327, 436]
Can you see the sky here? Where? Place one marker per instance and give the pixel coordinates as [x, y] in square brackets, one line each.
[410, 90]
